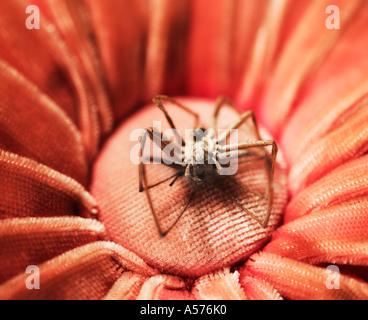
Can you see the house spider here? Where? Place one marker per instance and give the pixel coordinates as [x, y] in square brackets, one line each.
[206, 172]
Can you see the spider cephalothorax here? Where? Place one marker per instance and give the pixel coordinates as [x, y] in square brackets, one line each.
[201, 159]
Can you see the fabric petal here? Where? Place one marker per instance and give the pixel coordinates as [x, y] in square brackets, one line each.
[341, 184]
[174, 294]
[31, 241]
[300, 281]
[51, 66]
[165, 56]
[312, 41]
[258, 289]
[76, 29]
[127, 287]
[120, 27]
[35, 56]
[346, 141]
[335, 234]
[221, 285]
[164, 287]
[87, 272]
[25, 127]
[220, 38]
[340, 83]
[263, 52]
[47, 192]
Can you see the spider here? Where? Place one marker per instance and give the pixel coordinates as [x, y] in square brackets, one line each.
[206, 172]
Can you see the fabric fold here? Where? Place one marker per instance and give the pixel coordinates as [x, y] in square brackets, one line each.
[334, 234]
[76, 29]
[48, 192]
[221, 285]
[312, 42]
[30, 241]
[121, 32]
[101, 264]
[341, 184]
[339, 84]
[347, 140]
[25, 127]
[258, 289]
[301, 281]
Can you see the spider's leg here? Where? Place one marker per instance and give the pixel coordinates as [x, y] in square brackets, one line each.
[175, 176]
[157, 137]
[239, 205]
[143, 186]
[219, 103]
[242, 118]
[258, 157]
[162, 234]
[246, 189]
[159, 160]
[143, 183]
[157, 100]
[248, 157]
[269, 163]
[176, 165]
[251, 144]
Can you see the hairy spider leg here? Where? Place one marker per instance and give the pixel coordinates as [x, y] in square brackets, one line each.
[157, 100]
[269, 166]
[176, 165]
[143, 186]
[221, 101]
